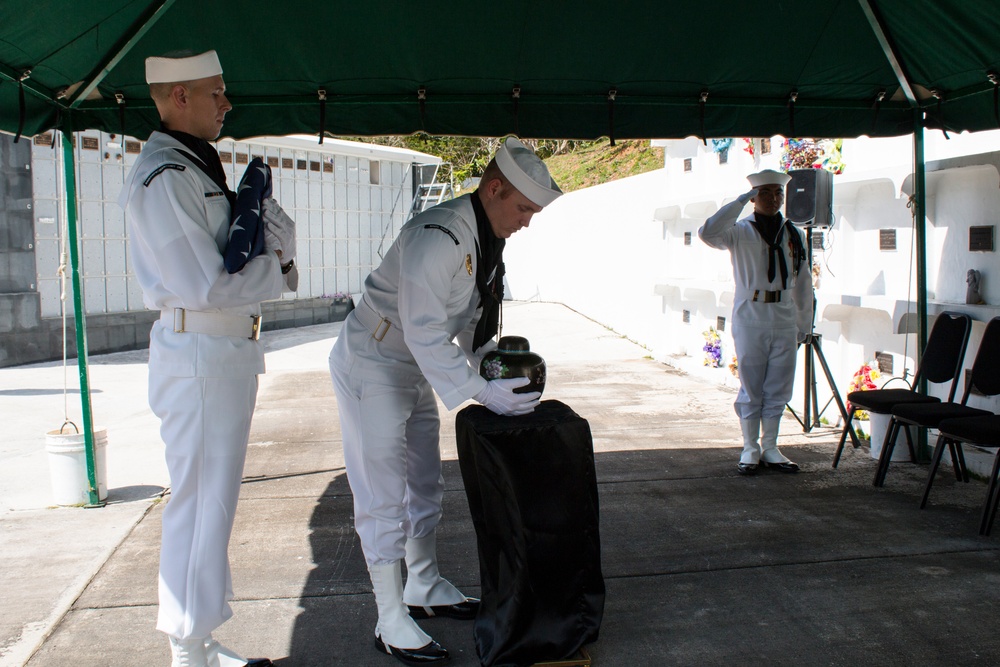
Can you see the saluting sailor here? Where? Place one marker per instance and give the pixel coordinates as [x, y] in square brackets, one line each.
[204, 353]
[772, 311]
[428, 315]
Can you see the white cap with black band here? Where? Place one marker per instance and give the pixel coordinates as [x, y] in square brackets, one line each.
[526, 172]
[189, 68]
[768, 177]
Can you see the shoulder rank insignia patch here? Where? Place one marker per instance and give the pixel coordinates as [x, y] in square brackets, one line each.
[159, 170]
[445, 230]
[468, 264]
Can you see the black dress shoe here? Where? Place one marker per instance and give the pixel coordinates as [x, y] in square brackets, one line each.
[784, 466]
[746, 468]
[259, 662]
[463, 611]
[429, 654]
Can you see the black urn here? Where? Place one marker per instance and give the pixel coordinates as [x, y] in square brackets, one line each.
[513, 358]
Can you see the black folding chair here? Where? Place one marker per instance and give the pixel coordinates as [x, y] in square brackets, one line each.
[982, 378]
[941, 362]
[983, 432]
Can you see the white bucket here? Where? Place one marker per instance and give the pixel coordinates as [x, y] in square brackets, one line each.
[879, 424]
[68, 466]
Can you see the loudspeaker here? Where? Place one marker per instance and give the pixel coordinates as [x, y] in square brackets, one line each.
[809, 198]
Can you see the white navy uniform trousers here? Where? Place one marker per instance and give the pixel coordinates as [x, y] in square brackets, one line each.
[202, 387]
[765, 334]
[426, 288]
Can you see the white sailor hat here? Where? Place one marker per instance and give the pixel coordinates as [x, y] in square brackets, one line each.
[161, 69]
[527, 172]
[769, 177]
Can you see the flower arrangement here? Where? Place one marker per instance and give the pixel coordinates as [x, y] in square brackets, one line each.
[798, 154]
[813, 154]
[863, 380]
[734, 367]
[340, 296]
[721, 145]
[712, 348]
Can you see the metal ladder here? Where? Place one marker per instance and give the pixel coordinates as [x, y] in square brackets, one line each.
[429, 195]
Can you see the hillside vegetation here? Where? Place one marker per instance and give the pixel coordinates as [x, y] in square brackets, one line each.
[599, 162]
[573, 164]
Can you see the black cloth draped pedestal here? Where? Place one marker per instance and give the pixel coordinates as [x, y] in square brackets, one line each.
[532, 492]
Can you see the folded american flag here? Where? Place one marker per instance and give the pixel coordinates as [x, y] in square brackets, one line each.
[246, 231]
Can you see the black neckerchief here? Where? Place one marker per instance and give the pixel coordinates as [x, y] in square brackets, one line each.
[489, 275]
[206, 158]
[772, 229]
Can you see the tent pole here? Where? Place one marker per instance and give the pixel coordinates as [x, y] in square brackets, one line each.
[146, 20]
[79, 316]
[920, 222]
[919, 228]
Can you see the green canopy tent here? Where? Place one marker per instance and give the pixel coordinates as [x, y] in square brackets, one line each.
[550, 69]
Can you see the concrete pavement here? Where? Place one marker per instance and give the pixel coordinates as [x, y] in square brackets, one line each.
[702, 566]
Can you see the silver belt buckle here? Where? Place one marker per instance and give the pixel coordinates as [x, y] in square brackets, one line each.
[255, 327]
[381, 329]
[179, 320]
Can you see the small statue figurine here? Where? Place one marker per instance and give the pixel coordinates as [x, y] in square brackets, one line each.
[972, 295]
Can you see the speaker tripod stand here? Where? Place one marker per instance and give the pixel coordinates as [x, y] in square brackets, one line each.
[813, 348]
[811, 412]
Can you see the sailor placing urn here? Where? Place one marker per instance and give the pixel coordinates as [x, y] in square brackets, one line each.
[429, 313]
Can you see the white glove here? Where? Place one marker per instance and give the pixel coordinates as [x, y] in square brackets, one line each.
[279, 230]
[499, 396]
[487, 347]
[747, 196]
[272, 242]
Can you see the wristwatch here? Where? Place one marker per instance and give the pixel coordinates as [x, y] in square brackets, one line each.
[285, 268]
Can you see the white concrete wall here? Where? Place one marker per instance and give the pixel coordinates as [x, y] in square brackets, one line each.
[616, 253]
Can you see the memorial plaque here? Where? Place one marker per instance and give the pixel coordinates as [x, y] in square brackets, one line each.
[884, 360]
[887, 239]
[981, 238]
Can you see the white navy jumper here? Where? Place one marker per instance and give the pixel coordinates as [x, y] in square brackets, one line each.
[202, 387]
[410, 336]
[765, 331]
